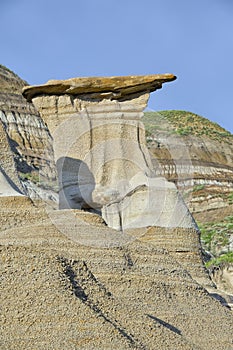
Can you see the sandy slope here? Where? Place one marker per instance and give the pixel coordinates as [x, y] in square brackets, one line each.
[57, 293]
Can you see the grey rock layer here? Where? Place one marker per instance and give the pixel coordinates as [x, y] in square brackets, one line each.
[157, 203]
[28, 136]
[9, 181]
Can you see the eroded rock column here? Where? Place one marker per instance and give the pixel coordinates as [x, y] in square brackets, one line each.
[100, 150]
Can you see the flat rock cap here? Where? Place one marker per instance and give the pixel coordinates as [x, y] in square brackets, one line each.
[122, 85]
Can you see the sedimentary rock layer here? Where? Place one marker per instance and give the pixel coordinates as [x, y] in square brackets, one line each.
[100, 150]
[9, 180]
[98, 146]
[28, 136]
[194, 153]
[116, 87]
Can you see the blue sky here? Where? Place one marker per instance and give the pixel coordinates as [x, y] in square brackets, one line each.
[55, 39]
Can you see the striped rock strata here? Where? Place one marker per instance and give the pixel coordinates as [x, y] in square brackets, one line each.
[100, 150]
[27, 134]
[9, 182]
[196, 154]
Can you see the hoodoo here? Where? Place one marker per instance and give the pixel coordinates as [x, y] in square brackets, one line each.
[69, 281]
[100, 150]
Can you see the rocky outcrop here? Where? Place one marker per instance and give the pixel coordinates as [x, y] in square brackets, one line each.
[10, 82]
[152, 202]
[96, 146]
[68, 281]
[99, 145]
[223, 277]
[195, 154]
[9, 181]
[28, 136]
[104, 87]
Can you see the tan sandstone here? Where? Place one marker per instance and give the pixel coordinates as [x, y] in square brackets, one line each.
[100, 150]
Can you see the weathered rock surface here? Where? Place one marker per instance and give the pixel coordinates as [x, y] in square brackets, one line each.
[154, 202]
[10, 82]
[28, 136]
[194, 153]
[100, 150]
[98, 146]
[223, 278]
[70, 282]
[117, 87]
[9, 180]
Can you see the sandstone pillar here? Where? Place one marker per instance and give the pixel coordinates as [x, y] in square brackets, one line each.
[100, 150]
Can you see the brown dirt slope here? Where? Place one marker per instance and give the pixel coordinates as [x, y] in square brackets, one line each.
[59, 294]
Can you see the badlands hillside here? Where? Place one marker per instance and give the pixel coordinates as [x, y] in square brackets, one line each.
[197, 155]
[68, 281]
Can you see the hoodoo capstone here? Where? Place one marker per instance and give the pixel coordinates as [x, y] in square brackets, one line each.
[100, 150]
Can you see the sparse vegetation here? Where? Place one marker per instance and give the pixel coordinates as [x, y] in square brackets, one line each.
[185, 123]
[197, 188]
[230, 198]
[7, 69]
[215, 239]
[32, 176]
[223, 259]
[40, 181]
